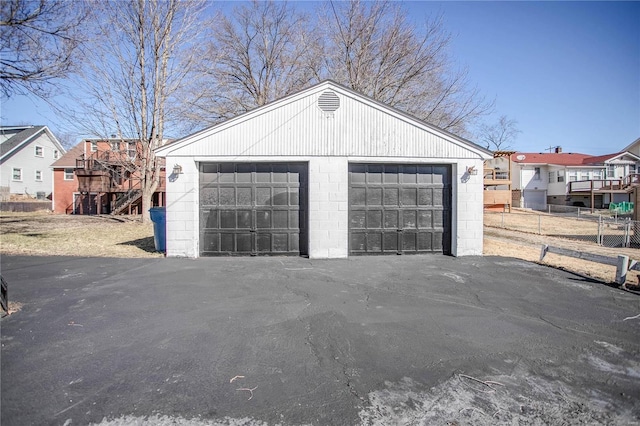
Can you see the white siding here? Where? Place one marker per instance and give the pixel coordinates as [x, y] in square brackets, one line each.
[299, 128]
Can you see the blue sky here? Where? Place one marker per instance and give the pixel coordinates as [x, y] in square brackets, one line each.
[568, 72]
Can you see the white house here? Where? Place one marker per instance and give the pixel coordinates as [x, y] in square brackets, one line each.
[328, 173]
[26, 155]
[570, 178]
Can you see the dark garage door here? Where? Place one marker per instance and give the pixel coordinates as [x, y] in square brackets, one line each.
[399, 209]
[253, 209]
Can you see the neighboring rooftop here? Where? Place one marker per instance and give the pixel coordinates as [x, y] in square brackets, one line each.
[69, 159]
[559, 158]
[12, 136]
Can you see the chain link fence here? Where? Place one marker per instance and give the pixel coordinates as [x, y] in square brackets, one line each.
[602, 227]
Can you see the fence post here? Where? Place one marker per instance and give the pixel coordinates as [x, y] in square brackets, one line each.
[539, 224]
[621, 269]
[627, 233]
[502, 219]
[549, 207]
[578, 211]
[599, 236]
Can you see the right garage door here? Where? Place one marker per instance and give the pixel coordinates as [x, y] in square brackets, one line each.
[399, 208]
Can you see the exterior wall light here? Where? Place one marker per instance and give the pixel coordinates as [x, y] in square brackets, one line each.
[472, 170]
[177, 169]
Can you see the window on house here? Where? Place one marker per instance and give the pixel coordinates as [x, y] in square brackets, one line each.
[115, 146]
[38, 176]
[633, 168]
[94, 146]
[611, 171]
[536, 173]
[56, 154]
[560, 177]
[17, 174]
[573, 176]
[131, 150]
[39, 151]
[68, 174]
[584, 174]
[597, 174]
[552, 177]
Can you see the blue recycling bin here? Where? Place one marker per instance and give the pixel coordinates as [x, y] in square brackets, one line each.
[159, 219]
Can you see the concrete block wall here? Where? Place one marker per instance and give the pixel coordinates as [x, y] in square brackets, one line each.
[467, 219]
[328, 207]
[328, 227]
[183, 200]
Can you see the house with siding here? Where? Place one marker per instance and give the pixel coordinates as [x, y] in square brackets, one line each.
[572, 179]
[325, 173]
[26, 155]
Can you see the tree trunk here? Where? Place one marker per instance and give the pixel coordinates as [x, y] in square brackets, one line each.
[146, 205]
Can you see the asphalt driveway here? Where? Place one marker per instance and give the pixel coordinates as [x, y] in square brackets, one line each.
[292, 341]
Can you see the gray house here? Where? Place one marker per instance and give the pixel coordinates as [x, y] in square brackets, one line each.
[26, 155]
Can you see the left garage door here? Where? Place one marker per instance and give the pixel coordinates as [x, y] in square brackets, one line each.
[253, 209]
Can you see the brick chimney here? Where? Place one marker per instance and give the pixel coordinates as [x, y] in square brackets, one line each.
[558, 149]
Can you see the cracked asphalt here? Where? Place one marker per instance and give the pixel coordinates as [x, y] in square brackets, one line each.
[364, 341]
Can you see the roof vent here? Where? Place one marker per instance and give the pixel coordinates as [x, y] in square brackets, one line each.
[329, 101]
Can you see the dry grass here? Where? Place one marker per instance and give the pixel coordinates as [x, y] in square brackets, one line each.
[557, 231]
[106, 236]
[69, 235]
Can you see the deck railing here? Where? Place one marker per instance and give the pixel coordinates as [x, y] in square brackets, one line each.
[605, 184]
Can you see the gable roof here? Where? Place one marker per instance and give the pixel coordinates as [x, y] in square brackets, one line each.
[325, 85]
[23, 136]
[69, 159]
[608, 157]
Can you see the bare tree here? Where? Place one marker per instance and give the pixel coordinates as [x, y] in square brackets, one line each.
[373, 48]
[501, 135]
[134, 72]
[259, 53]
[38, 40]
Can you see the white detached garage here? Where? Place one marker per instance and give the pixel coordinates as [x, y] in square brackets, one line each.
[327, 173]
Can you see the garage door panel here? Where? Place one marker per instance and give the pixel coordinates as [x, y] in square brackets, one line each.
[374, 196]
[413, 216]
[244, 243]
[425, 241]
[390, 196]
[374, 242]
[252, 208]
[280, 219]
[409, 241]
[425, 219]
[358, 197]
[244, 196]
[391, 219]
[227, 197]
[409, 196]
[209, 218]
[280, 197]
[425, 196]
[409, 219]
[211, 242]
[209, 196]
[357, 219]
[263, 196]
[390, 240]
[227, 219]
